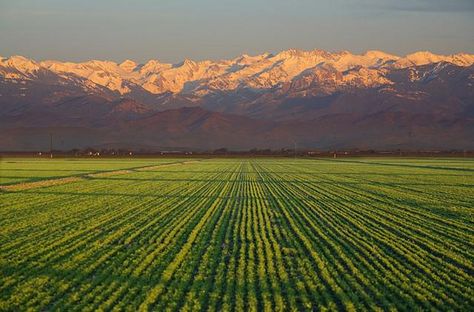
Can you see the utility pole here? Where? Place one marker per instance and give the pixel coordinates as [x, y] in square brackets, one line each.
[51, 145]
[294, 151]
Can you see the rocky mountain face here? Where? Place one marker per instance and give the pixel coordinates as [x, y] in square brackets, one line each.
[314, 98]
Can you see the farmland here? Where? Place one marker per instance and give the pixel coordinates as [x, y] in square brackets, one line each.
[237, 234]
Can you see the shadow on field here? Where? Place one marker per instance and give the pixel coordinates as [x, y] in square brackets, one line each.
[137, 195]
[141, 194]
[71, 274]
[47, 170]
[398, 165]
[283, 181]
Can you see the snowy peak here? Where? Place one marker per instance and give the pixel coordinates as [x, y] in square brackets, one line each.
[19, 61]
[153, 67]
[249, 59]
[462, 59]
[189, 63]
[291, 53]
[128, 65]
[424, 57]
[375, 54]
[16, 66]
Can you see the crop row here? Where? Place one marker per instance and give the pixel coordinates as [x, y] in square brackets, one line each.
[252, 235]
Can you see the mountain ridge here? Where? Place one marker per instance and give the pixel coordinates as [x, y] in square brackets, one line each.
[260, 72]
[316, 98]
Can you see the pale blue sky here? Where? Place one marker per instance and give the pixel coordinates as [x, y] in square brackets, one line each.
[171, 30]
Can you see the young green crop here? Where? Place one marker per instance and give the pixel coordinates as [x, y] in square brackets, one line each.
[237, 234]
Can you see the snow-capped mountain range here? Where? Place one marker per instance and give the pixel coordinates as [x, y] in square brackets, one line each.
[260, 72]
[286, 96]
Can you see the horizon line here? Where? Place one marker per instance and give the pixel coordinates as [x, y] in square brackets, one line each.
[270, 54]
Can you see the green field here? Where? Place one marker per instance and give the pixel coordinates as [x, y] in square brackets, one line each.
[237, 234]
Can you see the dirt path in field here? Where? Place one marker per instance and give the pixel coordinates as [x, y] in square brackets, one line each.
[149, 168]
[42, 183]
[64, 180]
[108, 173]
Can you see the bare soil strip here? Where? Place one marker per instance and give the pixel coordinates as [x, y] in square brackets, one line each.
[107, 173]
[36, 184]
[149, 168]
[58, 181]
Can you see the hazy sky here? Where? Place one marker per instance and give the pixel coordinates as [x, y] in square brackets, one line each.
[171, 30]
